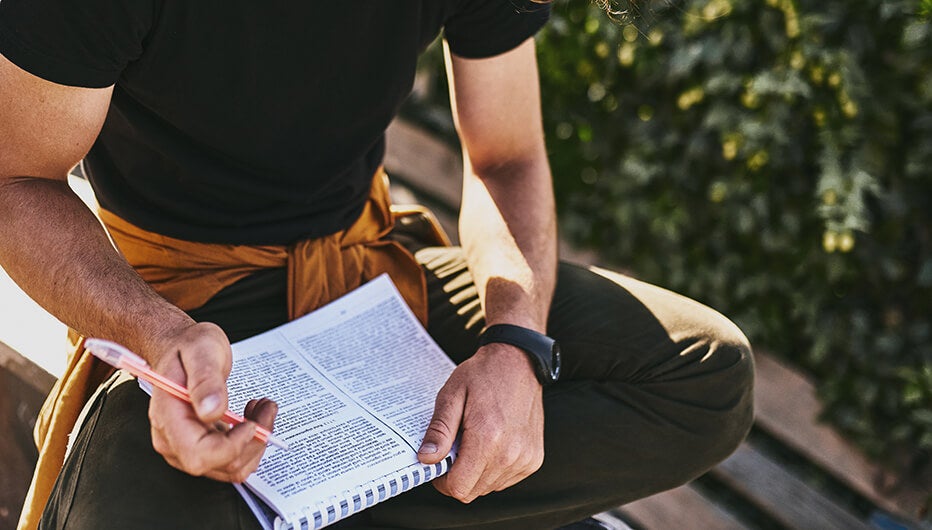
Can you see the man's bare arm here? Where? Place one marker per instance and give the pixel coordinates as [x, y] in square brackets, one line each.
[54, 248]
[46, 129]
[507, 221]
[508, 230]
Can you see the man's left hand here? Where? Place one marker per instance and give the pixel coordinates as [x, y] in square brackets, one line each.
[496, 402]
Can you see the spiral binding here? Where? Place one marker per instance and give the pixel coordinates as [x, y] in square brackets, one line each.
[351, 502]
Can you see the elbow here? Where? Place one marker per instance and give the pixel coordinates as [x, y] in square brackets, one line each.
[499, 167]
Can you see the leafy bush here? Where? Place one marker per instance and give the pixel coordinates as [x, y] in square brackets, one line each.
[774, 160]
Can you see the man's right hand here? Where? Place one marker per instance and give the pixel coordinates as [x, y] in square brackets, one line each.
[199, 357]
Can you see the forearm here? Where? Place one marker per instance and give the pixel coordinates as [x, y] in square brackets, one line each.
[508, 230]
[54, 248]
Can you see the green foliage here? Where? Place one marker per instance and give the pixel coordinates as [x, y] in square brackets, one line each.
[774, 160]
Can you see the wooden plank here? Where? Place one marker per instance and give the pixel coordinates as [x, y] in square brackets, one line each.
[781, 495]
[786, 406]
[432, 168]
[30, 373]
[23, 387]
[427, 164]
[683, 507]
[611, 521]
[18, 454]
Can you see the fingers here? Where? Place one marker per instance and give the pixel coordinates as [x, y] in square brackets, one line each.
[444, 424]
[227, 456]
[489, 460]
[184, 434]
[262, 411]
[468, 481]
[247, 451]
[463, 479]
[197, 449]
[250, 407]
[189, 445]
[502, 424]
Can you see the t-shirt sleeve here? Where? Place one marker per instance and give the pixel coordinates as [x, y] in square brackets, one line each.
[484, 28]
[84, 43]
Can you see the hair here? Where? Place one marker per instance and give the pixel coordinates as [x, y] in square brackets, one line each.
[625, 11]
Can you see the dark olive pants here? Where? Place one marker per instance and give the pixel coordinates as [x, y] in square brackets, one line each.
[655, 390]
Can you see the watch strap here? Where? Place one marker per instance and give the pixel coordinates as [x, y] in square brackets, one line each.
[542, 350]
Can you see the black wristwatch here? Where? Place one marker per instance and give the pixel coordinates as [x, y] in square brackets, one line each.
[543, 351]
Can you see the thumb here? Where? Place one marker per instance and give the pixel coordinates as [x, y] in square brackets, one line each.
[441, 432]
[206, 367]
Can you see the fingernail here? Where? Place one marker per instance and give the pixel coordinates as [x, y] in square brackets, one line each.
[428, 449]
[208, 404]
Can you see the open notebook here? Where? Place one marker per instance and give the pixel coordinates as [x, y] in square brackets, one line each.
[355, 383]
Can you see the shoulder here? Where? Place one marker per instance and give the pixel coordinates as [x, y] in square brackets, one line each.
[82, 43]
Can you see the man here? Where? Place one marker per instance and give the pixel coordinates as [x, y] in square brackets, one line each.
[259, 125]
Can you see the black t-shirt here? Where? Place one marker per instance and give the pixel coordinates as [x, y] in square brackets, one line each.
[245, 121]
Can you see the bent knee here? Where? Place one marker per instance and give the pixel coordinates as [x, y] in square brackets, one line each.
[717, 383]
[730, 393]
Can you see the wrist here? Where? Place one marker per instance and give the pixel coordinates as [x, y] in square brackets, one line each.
[542, 352]
[163, 338]
[511, 362]
[515, 317]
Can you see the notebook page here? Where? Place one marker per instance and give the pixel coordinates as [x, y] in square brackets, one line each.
[367, 342]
